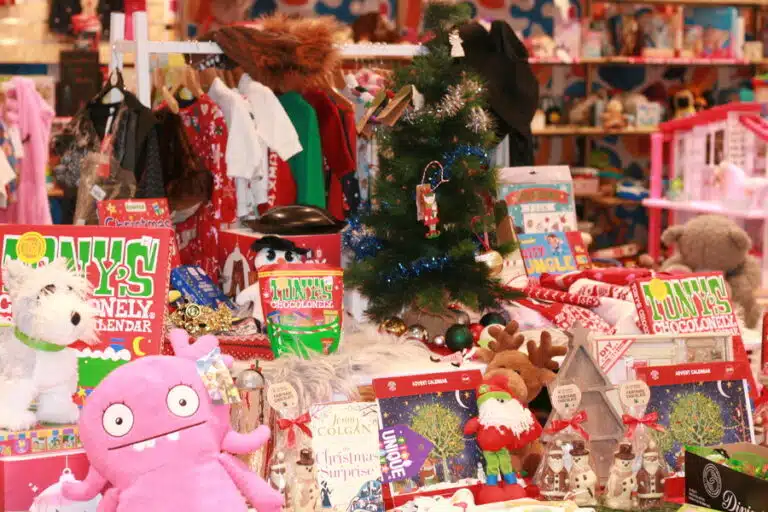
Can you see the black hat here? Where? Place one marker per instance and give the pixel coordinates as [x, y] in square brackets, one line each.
[501, 59]
[278, 244]
[296, 220]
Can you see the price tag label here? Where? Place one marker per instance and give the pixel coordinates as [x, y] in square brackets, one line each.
[566, 399]
[282, 396]
[634, 395]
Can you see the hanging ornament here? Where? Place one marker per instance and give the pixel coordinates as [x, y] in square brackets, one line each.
[394, 326]
[417, 332]
[459, 315]
[439, 340]
[479, 120]
[457, 50]
[491, 258]
[426, 200]
[492, 318]
[476, 329]
[458, 337]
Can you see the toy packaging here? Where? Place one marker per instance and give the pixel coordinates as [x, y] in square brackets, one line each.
[552, 253]
[41, 440]
[139, 213]
[708, 32]
[345, 440]
[426, 404]
[302, 306]
[130, 294]
[196, 287]
[539, 199]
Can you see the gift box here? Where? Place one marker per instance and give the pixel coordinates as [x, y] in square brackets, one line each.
[713, 485]
[39, 440]
[239, 272]
[33, 482]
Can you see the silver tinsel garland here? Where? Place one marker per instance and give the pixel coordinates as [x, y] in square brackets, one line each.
[451, 104]
[479, 120]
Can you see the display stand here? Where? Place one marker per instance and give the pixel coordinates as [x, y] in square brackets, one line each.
[142, 48]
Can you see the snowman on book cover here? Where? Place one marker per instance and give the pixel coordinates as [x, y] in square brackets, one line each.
[434, 407]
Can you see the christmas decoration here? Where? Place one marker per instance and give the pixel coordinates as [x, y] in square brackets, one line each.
[492, 319]
[426, 200]
[622, 481]
[417, 332]
[460, 316]
[479, 120]
[460, 153]
[493, 259]
[439, 340]
[391, 279]
[359, 239]
[198, 320]
[476, 329]
[394, 326]
[458, 337]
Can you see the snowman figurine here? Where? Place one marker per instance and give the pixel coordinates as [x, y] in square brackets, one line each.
[270, 250]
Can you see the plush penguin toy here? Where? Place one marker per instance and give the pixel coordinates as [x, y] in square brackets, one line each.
[270, 250]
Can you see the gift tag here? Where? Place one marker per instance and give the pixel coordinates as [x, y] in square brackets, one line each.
[634, 395]
[98, 193]
[566, 399]
[217, 379]
[282, 396]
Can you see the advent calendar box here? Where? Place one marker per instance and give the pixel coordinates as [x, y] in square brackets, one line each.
[238, 259]
[33, 482]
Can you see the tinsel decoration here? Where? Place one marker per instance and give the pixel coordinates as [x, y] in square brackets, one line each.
[479, 120]
[462, 152]
[454, 100]
[416, 268]
[198, 320]
[359, 239]
[452, 103]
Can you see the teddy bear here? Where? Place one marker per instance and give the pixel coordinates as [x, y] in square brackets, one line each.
[712, 243]
[526, 372]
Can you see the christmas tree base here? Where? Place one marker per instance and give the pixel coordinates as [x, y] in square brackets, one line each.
[436, 324]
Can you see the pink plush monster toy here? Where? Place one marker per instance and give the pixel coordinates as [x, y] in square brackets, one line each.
[151, 431]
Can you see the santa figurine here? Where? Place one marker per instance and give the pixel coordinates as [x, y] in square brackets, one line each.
[650, 479]
[582, 478]
[270, 250]
[553, 483]
[503, 424]
[621, 480]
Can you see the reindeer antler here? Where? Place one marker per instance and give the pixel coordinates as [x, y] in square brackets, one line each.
[505, 338]
[542, 355]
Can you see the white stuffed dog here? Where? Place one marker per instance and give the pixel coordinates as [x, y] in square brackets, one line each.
[50, 311]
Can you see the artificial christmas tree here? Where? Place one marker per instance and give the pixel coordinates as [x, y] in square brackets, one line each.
[434, 194]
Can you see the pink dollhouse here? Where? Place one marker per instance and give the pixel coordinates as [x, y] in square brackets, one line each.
[720, 156]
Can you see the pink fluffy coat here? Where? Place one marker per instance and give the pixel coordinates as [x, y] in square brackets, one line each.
[184, 467]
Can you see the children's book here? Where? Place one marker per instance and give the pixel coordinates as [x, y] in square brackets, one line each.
[552, 253]
[434, 407]
[708, 31]
[699, 404]
[345, 440]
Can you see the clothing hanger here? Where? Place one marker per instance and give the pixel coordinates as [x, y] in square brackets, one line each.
[334, 92]
[113, 83]
[159, 80]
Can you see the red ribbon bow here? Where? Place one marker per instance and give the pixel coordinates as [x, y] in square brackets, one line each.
[300, 423]
[649, 420]
[575, 423]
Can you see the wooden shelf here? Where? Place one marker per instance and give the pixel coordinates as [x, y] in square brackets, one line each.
[555, 131]
[55, 192]
[701, 3]
[704, 207]
[609, 201]
[646, 61]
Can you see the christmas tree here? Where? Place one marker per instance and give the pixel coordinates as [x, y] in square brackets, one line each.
[443, 149]
[442, 428]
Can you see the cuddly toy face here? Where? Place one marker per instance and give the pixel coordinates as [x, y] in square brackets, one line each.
[709, 242]
[149, 413]
[50, 302]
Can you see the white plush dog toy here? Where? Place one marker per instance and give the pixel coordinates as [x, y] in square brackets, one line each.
[50, 311]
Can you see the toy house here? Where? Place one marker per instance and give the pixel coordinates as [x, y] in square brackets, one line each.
[719, 156]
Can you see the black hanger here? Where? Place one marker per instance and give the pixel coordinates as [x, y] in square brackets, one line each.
[115, 81]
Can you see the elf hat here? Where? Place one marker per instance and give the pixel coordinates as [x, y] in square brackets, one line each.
[495, 387]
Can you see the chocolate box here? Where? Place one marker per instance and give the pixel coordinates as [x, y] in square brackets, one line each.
[712, 485]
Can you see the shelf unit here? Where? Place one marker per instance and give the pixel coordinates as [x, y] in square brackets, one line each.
[555, 131]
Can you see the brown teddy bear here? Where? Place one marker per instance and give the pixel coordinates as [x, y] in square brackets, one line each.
[711, 243]
[526, 373]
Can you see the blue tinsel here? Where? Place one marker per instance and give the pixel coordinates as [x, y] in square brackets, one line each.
[461, 152]
[416, 268]
[357, 238]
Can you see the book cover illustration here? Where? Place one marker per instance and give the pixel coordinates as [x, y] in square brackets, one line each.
[708, 31]
[436, 407]
[700, 404]
[128, 268]
[345, 440]
[552, 253]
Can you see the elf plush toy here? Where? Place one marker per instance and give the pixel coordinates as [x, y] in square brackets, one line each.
[503, 424]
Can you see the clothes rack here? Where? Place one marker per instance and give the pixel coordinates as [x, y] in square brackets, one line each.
[142, 48]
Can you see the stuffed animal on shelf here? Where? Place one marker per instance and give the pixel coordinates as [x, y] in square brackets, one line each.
[712, 243]
[50, 312]
[613, 118]
[526, 374]
[152, 432]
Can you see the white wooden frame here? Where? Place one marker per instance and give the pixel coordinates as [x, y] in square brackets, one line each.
[142, 48]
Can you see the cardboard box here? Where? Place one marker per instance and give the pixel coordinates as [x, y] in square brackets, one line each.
[31, 482]
[712, 485]
[323, 249]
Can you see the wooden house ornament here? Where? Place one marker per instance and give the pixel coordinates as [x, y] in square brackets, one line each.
[603, 424]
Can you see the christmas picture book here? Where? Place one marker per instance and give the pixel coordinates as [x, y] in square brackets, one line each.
[699, 404]
[552, 253]
[434, 407]
[345, 440]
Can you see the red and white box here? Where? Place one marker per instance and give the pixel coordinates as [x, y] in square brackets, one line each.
[237, 259]
[33, 482]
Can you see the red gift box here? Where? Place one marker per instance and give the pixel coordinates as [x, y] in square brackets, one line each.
[33, 480]
[238, 272]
